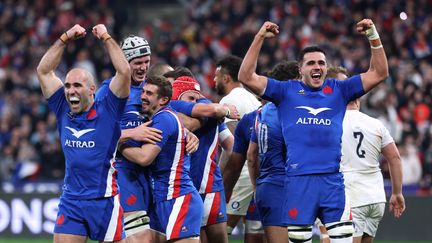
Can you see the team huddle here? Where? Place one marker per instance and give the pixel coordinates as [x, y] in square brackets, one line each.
[142, 151]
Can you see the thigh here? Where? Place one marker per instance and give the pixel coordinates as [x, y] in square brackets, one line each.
[104, 218]
[135, 192]
[240, 199]
[301, 200]
[214, 208]
[375, 215]
[268, 200]
[70, 219]
[333, 201]
[181, 217]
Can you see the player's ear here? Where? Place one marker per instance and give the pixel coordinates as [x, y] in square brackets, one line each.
[164, 101]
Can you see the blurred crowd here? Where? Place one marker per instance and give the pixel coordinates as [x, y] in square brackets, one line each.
[28, 137]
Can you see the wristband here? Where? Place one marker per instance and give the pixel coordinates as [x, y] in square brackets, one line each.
[372, 33]
[105, 36]
[64, 38]
[377, 47]
[228, 113]
[324, 236]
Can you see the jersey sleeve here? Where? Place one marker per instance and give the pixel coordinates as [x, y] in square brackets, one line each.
[352, 88]
[182, 106]
[57, 102]
[114, 105]
[167, 124]
[386, 137]
[103, 89]
[274, 90]
[254, 135]
[241, 137]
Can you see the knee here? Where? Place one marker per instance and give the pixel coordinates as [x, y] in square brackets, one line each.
[340, 230]
[301, 233]
[136, 222]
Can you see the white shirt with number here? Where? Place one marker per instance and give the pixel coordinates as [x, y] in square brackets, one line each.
[362, 141]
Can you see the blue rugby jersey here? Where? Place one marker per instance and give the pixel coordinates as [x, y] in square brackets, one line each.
[267, 133]
[130, 118]
[170, 170]
[205, 172]
[243, 131]
[311, 121]
[89, 142]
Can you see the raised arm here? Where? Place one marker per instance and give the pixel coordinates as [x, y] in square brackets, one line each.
[397, 201]
[378, 69]
[49, 82]
[247, 75]
[120, 84]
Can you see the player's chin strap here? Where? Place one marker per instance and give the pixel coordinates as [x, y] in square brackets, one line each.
[136, 222]
[300, 233]
[340, 232]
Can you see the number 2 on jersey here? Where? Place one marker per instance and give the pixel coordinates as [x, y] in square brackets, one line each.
[360, 152]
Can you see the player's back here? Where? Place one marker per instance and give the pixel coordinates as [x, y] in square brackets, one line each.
[272, 151]
[362, 141]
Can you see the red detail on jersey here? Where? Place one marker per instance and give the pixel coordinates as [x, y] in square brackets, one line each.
[214, 211]
[252, 208]
[119, 228]
[293, 213]
[327, 90]
[213, 166]
[131, 199]
[91, 114]
[178, 225]
[60, 219]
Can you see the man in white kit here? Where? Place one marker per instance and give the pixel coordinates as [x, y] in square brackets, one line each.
[364, 139]
[227, 85]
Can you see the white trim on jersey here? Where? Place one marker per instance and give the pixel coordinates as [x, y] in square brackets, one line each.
[174, 215]
[208, 203]
[113, 224]
[110, 178]
[208, 163]
[177, 158]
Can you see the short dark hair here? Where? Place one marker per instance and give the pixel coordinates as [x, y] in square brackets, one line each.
[308, 50]
[332, 72]
[157, 69]
[164, 86]
[230, 65]
[178, 72]
[285, 70]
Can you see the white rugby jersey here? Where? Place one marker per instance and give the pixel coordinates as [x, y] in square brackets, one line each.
[362, 140]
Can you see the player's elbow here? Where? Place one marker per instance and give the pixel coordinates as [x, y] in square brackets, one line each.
[243, 75]
[124, 71]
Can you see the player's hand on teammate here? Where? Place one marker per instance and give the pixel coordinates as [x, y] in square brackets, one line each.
[268, 30]
[232, 111]
[147, 134]
[397, 205]
[192, 142]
